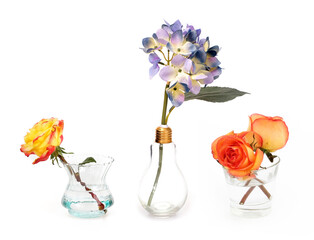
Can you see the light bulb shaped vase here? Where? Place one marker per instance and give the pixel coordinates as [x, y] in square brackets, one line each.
[87, 194]
[163, 189]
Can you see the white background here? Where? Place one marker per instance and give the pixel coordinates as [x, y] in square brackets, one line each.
[80, 61]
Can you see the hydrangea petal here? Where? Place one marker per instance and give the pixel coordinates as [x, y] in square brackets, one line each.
[201, 75]
[196, 68]
[199, 56]
[176, 26]
[212, 62]
[187, 48]
[148, 42]
[153, 58]
[209, 79]
[170, 47]
[196, 88]
[213, 51]
[175, 94]
[216, 72]
[177, 38]
[167, 73]
[188, 29]
[163, 36]
[198, 32]
[191, 36]
[185, 81]
[206, 44]
[178, 61]
[153, 70]
[167, 28]
[187, 66]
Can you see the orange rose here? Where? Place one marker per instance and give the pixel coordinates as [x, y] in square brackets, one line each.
[235, 154]
[43, 139]
[273, 131]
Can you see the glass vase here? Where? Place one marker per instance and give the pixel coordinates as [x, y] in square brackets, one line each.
[252, 197]
[163, 189]
[87, 194]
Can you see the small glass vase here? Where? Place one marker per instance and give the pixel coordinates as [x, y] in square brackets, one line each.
[252, 197]
[163, 189]
[87, 195]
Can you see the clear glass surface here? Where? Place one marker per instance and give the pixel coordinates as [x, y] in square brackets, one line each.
[253, 197]
[87, 195]
[163, 189]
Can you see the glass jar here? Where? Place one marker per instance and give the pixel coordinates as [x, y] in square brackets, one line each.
[252, 196]
[87, 194]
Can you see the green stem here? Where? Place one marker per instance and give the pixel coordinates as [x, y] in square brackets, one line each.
[164, 109]
[157, 176]
[170, 110]
[164, 120]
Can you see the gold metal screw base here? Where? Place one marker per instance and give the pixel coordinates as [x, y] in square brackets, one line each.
[163, 134]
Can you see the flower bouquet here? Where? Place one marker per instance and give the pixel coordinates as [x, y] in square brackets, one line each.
[86, 195]
[187, 64]
[242, 155]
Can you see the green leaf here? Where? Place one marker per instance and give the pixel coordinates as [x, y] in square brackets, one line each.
[215, 94]
[88, 160]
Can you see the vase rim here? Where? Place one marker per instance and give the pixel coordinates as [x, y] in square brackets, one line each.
[271, 166]
[103, 159]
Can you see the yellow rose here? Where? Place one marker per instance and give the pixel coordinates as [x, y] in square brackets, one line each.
[43, 138]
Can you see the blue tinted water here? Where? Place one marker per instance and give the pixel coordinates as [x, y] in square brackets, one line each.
[86, 209]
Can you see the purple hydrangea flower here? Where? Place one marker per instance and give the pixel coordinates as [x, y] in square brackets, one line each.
[176, 93]
[179, 45]
[190, 63]
[162, 36]
[171, 28]
[150, 44]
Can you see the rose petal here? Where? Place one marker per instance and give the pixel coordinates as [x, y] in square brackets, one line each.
[46, 155]
[252, 138]
[274, 133]
[255, 116]
[258, 160]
